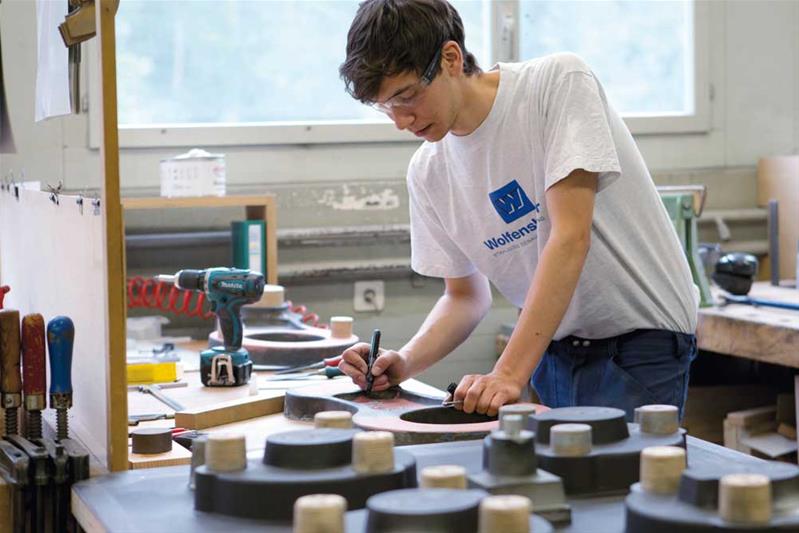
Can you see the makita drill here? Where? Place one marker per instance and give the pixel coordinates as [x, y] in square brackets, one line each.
[227, 289]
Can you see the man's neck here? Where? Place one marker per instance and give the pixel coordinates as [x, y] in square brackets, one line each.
[479, 93]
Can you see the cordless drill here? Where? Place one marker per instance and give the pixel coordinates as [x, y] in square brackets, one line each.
[228, 289]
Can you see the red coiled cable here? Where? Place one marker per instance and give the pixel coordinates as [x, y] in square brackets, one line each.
[154, 294]
[309, 318]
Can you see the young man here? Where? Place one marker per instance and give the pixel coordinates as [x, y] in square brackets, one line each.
[528, 179]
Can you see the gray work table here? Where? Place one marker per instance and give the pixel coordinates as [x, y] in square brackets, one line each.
[160, 500]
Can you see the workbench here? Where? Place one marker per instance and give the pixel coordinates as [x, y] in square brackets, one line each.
[757, 333]
[765, 334]
[194, 395]
[159, 499]
[115, 501]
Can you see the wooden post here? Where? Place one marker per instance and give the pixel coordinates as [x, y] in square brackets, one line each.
[115, 311]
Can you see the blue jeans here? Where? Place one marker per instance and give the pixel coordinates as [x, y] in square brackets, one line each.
[645, 366]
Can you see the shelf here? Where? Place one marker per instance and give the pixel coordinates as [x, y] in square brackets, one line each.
[257, 207]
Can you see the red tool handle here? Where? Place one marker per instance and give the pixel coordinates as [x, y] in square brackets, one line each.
[332, 361]
[3, 290]
[11, 382]
[33, 355]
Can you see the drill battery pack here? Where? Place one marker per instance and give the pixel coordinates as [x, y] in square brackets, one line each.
[220, 368]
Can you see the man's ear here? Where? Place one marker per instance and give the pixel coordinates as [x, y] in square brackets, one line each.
[453, 58]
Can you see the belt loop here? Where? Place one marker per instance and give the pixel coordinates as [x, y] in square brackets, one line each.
[613, 347]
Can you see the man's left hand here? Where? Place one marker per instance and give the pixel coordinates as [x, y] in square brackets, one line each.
[485, 394]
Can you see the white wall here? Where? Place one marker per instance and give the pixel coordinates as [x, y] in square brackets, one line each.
[754, 58]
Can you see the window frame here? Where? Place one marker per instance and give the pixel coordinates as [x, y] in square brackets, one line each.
[502, 20]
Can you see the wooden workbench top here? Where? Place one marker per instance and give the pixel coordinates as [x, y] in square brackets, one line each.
[763, 334]
[255, 430]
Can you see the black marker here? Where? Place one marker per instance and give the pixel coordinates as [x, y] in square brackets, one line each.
[373, 351]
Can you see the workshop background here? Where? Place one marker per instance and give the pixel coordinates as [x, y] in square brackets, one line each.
[343, 210]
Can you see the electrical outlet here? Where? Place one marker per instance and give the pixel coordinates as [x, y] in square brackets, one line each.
[369, 295]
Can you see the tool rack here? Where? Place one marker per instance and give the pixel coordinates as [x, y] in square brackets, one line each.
[98, 419]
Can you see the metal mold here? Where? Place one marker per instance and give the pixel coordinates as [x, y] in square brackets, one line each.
[607, 424]
[694, 508]
[613, 464]
[309, 449]
[510, 467]
[267, 490]
[428, 510]
[412, 418]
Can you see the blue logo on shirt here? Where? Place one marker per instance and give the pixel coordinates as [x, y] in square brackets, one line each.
[511, 202]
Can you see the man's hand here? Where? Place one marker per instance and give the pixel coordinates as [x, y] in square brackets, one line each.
[389, 369]
[486, 394]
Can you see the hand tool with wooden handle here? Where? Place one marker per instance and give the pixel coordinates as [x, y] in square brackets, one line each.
[11, 380]
[60, 341]
[34, 372]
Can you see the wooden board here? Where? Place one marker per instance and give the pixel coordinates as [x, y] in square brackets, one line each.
[231, 411]
[707, 407]
[760, 333]
[194, 202]
[750, 418]
[114, 309]
[778, 179]
[178, 455]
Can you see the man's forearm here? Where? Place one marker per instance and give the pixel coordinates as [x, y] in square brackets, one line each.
[447, 325]
[546, 302]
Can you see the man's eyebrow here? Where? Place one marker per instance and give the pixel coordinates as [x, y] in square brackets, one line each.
[400, 91]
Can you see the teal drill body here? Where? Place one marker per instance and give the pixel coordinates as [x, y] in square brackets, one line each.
[228, 289]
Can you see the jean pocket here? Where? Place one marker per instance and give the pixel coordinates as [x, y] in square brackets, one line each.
[629, 392]
[657, 362]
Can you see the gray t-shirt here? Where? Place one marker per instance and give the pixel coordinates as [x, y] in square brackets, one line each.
[478, 203]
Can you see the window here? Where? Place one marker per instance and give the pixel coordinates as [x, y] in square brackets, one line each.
[642, 51]
[233, 62]
[247, 71]
[194, 72]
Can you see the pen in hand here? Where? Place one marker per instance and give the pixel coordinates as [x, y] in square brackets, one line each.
[373, 351]
[450, 400]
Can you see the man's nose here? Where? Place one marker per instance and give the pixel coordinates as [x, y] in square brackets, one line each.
[402, 119]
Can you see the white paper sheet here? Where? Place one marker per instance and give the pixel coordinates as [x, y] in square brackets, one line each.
[52, 69]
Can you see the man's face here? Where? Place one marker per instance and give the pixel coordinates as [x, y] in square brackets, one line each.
[426, 111]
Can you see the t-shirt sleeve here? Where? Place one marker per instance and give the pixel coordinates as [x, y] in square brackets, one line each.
[433, 252]
[577, 132]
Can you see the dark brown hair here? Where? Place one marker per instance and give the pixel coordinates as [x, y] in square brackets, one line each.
[390, 37]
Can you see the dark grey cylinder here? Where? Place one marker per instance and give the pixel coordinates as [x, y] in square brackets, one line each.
[310, 449]
[430, 510]
[507, 454]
